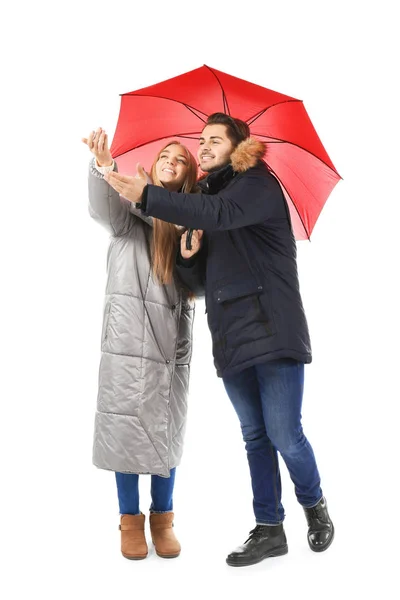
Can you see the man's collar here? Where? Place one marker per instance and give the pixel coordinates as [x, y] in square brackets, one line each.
[217, 180]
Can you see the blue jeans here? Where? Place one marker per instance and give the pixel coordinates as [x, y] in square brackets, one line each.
[267, 399]
[162, 489]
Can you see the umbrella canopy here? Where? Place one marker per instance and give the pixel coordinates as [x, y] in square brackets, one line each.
[178, 109]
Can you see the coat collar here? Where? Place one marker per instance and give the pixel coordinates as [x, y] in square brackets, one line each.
[245, 156]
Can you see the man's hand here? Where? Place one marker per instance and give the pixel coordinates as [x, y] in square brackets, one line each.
[97, 142]
[196, 243]
[130, 188]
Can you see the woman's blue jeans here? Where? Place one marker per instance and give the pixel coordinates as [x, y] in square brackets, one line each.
[162, 489]
[267, 399]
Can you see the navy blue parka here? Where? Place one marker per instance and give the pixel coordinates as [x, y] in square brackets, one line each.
[247, 267]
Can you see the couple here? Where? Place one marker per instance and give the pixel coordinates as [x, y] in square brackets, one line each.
[245, 265]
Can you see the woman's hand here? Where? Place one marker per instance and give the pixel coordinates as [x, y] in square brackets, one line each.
[97, 142]
[196, 243]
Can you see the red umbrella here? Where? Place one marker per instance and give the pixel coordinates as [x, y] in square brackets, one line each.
[178, 108]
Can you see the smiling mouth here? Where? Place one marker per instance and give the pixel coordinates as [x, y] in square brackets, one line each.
[207, 157]
[169, 171]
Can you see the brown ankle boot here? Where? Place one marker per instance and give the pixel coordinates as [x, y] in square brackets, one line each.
[163, 536]
[133, 541]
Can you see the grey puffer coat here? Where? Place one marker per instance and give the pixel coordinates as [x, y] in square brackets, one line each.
[146, 347]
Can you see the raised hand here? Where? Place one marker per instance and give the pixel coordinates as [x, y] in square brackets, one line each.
[196, 243]
[97, 142]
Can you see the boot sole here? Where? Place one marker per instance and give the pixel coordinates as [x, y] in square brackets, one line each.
[326, 545]
[133, 557]
[280, 551]
[168, 555]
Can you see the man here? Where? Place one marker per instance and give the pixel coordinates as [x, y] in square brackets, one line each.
[247, 265]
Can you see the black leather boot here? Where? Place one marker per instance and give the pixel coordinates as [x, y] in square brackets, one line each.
[264, 541]
[320, 527]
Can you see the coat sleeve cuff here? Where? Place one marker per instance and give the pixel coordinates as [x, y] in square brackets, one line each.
[185, 262]
[143, 203]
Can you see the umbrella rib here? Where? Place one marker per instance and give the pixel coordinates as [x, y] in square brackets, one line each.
[192, 111]
[284, 187]
[251, 120]
[224, 98]
[279, 141]
[188, 137]
[307, 188]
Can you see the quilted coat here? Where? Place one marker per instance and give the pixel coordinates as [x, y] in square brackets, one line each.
[146, 347]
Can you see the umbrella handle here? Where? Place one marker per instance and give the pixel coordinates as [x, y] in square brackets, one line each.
[189, 239]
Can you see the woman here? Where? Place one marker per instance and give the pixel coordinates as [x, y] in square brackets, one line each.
[146, 348]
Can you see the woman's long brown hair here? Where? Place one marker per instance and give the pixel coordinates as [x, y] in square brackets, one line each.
[166, 236]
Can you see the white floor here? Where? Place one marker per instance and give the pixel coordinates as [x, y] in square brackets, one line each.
[60, 536]
[65, 66]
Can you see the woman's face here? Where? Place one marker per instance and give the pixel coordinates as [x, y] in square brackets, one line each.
[172, 167]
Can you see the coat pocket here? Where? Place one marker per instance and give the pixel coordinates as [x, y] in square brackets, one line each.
[106, 321]
[243, 316]
[185, 336]
[236, 290]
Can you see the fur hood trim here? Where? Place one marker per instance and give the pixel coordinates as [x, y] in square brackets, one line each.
[247, 154]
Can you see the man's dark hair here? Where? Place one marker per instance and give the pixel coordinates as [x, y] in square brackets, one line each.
[236, 130]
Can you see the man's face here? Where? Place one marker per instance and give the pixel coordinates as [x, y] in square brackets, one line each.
[215, 148]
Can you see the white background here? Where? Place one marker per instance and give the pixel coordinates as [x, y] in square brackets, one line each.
[63, 68]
